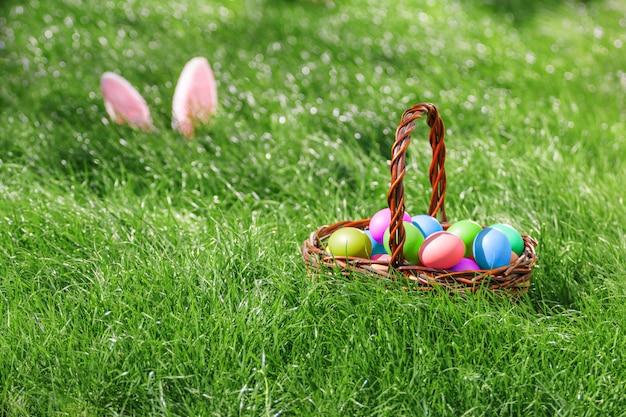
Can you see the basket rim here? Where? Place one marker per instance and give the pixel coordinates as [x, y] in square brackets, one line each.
[513, 278]
[315, 243]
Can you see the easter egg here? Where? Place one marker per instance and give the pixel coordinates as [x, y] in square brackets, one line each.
[467, 231]
[377, 248]
[382, 257]
[492, 249]
[515, 238]
[412, 242]
[349, 241]
[441, 250]
[465, 264]
[380, 222]
[427, 224]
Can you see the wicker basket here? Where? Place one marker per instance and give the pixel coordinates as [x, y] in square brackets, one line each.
[513, 279]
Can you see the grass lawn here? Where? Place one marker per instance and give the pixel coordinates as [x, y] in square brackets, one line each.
[148, 274]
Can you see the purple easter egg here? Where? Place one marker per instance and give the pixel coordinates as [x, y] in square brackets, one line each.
[465, 264]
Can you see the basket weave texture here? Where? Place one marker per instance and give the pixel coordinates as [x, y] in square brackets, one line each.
[513, 279]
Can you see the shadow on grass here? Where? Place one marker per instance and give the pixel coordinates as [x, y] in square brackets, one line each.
[521, 11]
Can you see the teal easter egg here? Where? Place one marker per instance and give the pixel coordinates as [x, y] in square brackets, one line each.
[427, 224]
[349, 241]
[492, 249]
[412, 242]
[441, 250]
[467, 231]
[377, 248]
[515, 238]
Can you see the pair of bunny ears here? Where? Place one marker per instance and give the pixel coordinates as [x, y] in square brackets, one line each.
[195, 99]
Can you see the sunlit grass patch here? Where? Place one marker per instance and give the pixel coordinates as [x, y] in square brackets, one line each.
[150, 274]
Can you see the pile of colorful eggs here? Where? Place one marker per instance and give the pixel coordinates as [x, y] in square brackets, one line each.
[464, 246]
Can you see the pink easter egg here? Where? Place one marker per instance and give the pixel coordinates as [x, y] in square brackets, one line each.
[465, 264]
[441, 250]
[383, 257]
[380, 222]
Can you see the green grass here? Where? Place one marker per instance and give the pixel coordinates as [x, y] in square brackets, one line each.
[146, 274]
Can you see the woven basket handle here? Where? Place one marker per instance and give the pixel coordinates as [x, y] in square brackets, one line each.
[437, 173]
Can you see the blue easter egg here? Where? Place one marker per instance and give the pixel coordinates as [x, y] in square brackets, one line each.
[517, 242]
[492, 249]
[427, 224]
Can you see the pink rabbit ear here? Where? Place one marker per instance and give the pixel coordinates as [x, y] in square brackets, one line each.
[123, 102]
[195, 96]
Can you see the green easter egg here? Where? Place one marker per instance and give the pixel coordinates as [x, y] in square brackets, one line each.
[517, 243]
[412, 242]
[349, 241]
[467, 231]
